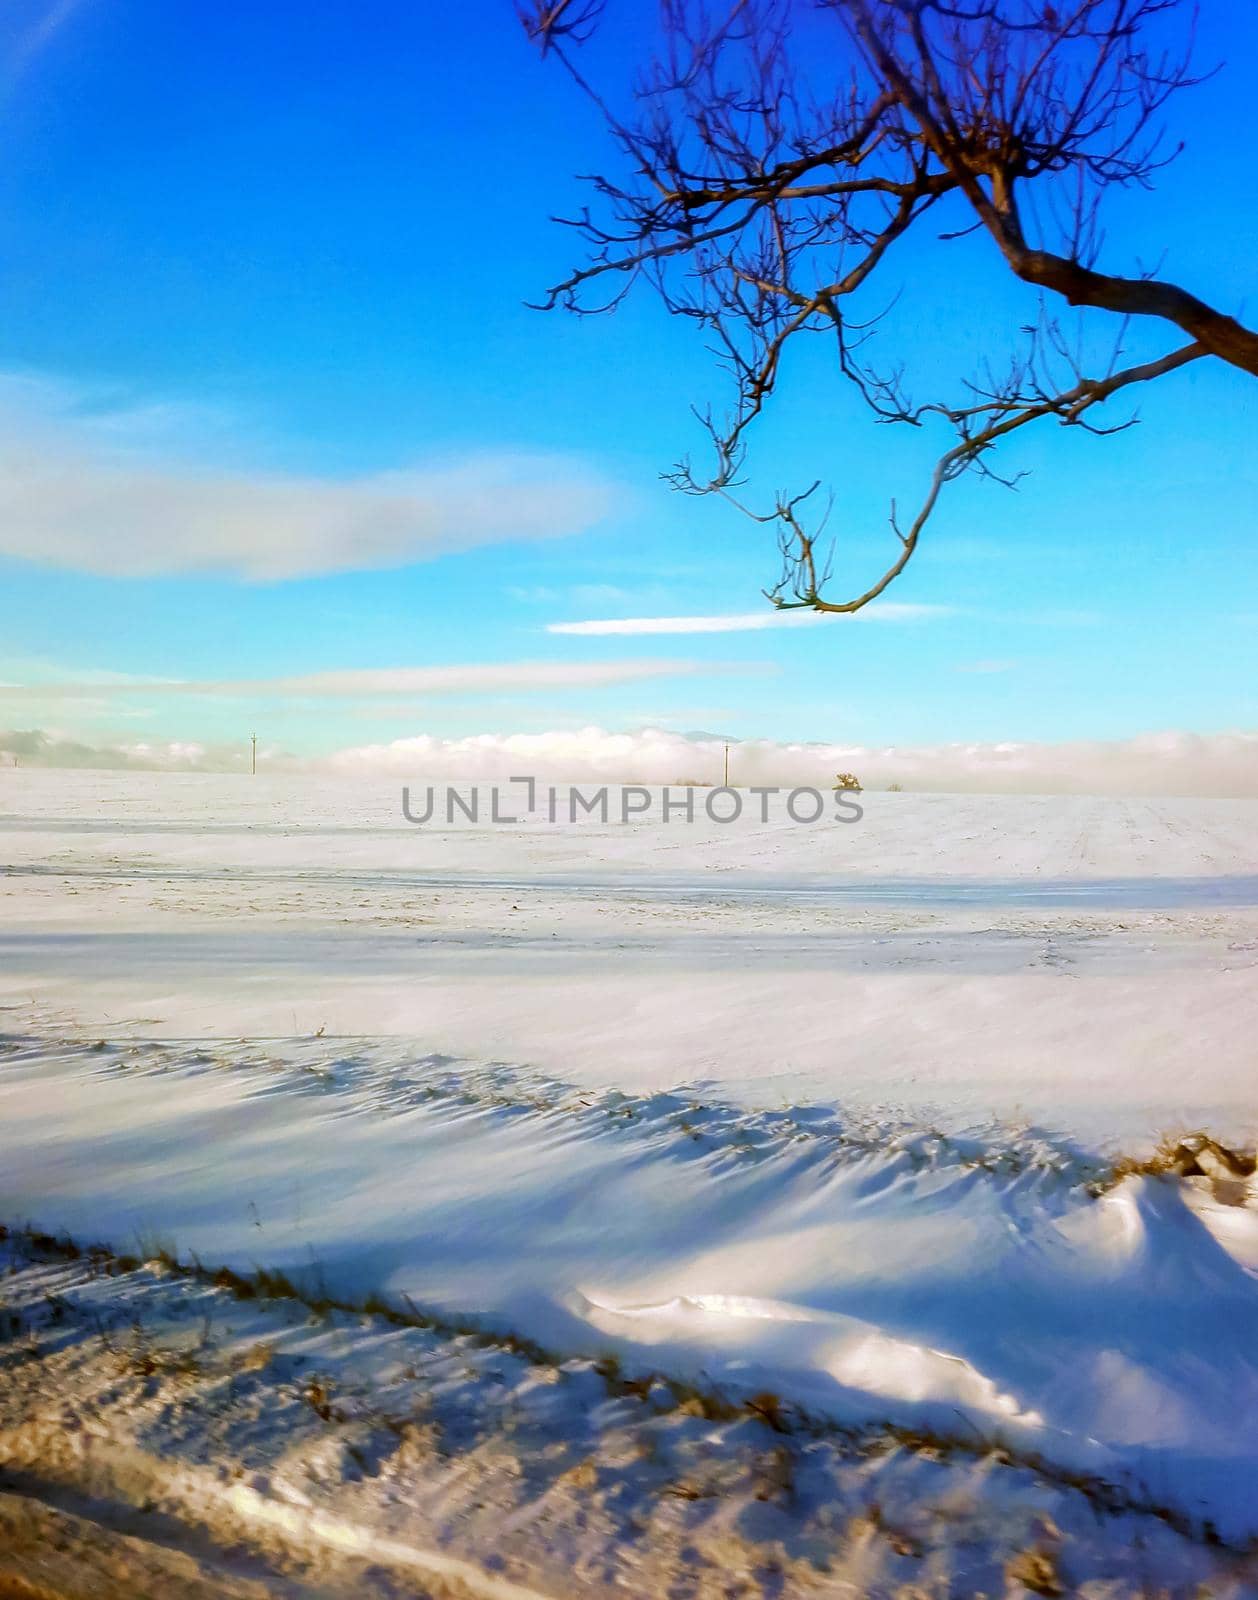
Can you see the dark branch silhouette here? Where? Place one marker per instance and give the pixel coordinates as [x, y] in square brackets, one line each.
[776, 151]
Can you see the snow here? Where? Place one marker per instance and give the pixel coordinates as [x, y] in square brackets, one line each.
[1084, 964]
[824, 1111]
[381, 1459]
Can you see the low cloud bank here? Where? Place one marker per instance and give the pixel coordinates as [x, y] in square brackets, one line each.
[1157, 763]
[1219, 765]
[36, 747]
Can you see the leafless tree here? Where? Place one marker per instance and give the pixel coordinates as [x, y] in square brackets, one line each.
[777, 150]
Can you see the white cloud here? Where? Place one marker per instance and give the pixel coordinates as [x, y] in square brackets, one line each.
[1223, 764]
[745, 621]
[39, 747]
[96, 485]
[1163, 763]
[370, 682]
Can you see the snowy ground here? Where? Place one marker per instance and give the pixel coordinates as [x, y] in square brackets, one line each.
[828, 1113]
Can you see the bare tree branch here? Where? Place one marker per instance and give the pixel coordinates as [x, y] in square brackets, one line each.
[982, 427]
[775, 153]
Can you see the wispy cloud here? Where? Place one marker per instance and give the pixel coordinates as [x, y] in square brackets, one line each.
[17, 60]
[373, 682]
[744, 621]
[96, 487]
[582, 594]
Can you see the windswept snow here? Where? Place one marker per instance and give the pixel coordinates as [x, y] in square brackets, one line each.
[867, 1273]
[307, 1451]
[824, 1112]
[1085, 964]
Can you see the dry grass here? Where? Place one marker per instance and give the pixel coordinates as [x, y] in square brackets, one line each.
[765, 1408]
[1184, 1155]
[1036, 1569]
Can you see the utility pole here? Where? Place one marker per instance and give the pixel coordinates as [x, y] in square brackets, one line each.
[253, 759]
[727, 766]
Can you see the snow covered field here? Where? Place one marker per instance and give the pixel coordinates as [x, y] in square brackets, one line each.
[837, 1114]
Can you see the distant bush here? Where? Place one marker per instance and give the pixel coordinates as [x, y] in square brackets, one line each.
[895, 788]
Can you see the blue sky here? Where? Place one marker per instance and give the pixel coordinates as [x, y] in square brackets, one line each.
[277, 257]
